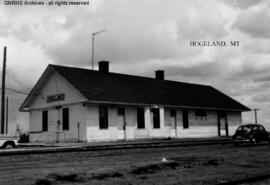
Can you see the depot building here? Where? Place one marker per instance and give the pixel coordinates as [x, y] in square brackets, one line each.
[70, 104]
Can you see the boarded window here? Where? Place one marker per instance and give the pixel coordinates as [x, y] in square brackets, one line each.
[185, 119]
[45, 120]
[156, 118]
[65, 119]
[140, 118]
[103, 117]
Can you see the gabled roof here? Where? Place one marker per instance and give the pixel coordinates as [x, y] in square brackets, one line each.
[120, 88]
[114, 87]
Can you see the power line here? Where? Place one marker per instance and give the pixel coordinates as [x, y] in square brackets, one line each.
[39, 95]
[16, 91]
[14, 77]
[24, 86]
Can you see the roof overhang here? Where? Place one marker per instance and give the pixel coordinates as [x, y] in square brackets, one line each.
[169, 106]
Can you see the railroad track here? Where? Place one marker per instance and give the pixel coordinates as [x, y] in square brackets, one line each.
[117, 146]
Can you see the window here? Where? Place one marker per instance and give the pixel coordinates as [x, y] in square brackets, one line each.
[45, 120]
[201, 115]
[156, 119]
[261, 128]
[121, 111]
[103, 117]
[185, 119]
[245, 128]
[173, 113]
[65, 119]
[140, 118]
[255, 128]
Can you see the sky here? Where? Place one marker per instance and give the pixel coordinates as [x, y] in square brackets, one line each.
[143, 36]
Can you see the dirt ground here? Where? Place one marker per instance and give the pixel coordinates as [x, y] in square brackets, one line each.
[194, 165]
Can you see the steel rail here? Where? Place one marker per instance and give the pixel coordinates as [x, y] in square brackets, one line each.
[121, 146]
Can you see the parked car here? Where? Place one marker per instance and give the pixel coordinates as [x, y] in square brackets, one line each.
[8, 141]
[250, 133]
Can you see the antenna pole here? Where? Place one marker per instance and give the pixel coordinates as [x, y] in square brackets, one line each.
[3, 92]
[93, 40]
[93, 45]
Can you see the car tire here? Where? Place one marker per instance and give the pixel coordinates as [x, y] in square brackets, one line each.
[9, 145]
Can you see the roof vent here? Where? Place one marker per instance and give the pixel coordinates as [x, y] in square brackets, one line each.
[160, 75]
[103, 66]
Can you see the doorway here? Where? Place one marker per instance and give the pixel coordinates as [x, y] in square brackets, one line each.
[121, 123]
[222, 124]
[173, 123]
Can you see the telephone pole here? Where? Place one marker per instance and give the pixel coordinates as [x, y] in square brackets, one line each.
[3, 92]
[7, 115]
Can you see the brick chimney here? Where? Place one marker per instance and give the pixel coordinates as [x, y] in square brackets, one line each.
[160, 75]
[103, 66]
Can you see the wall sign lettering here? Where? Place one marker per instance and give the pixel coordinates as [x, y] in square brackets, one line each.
[55, 97]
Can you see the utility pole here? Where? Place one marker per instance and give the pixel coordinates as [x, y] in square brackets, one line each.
[93, 45]
[93, 40]
[3, 92]
[7, 115]
[255, 111]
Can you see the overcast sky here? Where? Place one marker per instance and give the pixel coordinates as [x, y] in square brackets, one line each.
[145, 35]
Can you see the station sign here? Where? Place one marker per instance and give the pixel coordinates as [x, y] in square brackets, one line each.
[55, 97]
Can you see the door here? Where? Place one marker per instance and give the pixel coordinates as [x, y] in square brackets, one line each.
[54, 126]
[121, 123]
[222, 125]
[173, 123]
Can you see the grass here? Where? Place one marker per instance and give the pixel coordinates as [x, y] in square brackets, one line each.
[55, 177]
[43, 182]
[103, 176]
[186, 165]
[213, 162]
[72, 177]
[191, 162]
[154, 168]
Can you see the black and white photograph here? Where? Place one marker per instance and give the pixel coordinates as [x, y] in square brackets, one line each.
[135, 92]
